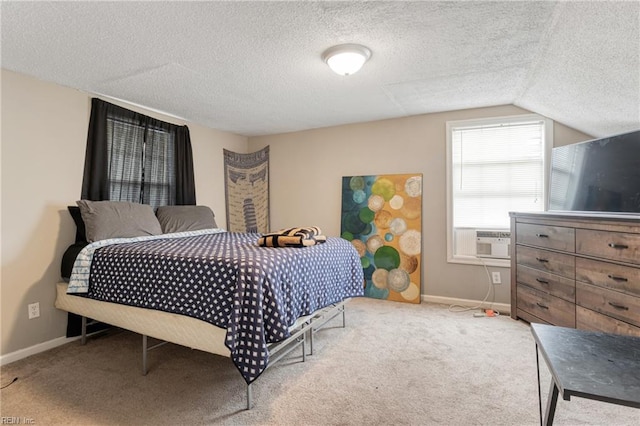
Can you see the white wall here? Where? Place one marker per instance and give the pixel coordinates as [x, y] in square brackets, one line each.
[44, 133]
[306, 170]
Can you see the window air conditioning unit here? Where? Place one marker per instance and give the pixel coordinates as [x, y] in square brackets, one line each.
[494, 244]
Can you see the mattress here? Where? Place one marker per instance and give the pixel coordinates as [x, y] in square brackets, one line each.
[180, 329]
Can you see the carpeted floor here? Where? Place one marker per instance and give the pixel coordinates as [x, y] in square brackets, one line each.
[394, 364]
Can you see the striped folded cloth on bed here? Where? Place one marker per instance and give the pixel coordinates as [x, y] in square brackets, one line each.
[293, 237]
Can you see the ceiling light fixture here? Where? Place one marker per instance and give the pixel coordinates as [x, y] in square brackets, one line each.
[346, 59]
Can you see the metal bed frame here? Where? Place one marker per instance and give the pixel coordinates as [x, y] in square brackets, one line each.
[299, 335]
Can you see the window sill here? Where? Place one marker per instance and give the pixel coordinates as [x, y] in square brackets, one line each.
[480, 261]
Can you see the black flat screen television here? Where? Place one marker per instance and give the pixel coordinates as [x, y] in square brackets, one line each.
[600, 175]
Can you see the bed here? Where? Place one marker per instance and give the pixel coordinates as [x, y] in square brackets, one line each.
[211, 290]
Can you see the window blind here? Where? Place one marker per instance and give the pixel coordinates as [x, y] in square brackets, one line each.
[496, 169]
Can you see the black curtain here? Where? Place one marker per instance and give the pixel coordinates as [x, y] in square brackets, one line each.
[96, 185]
[95, 182]
[185, 182]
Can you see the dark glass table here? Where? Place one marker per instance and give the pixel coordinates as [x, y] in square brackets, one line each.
[587, 364]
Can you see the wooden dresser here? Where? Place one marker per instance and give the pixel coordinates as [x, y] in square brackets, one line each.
[576, 270]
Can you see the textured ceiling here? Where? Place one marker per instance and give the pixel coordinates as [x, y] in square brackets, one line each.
[254, 68]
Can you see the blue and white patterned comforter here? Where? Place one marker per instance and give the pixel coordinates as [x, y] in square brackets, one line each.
[224, 278]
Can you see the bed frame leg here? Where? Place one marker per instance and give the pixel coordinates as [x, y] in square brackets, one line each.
[83, 341]
[311, 339]
[249, 397]
[304, 348]
[144, 355]
[344, 318]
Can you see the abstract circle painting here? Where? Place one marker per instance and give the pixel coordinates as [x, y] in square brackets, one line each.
[382, 217]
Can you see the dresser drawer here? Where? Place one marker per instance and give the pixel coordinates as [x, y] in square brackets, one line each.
[604, 274]
[555, 285]
[613, 303]
[586, 319]
[549, 308]
[553, 237]
[609, 245]
[548, 261]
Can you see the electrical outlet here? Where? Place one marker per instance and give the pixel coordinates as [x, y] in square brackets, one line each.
[34, 310]
[495, 277]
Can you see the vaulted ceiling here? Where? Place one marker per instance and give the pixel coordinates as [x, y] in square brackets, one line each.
[255, 68]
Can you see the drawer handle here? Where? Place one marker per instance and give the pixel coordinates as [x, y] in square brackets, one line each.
[615, 305]
[616, 278]
[542, 236]
[618, 246]
[540, 259]
[542, 306]
[540, 280]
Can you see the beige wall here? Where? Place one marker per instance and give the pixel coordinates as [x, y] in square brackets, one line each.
[44, 131]
[306, 170]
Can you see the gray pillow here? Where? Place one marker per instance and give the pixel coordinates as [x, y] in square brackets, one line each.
[117, 219]
[185, 218]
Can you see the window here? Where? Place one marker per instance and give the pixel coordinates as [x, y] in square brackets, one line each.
[495, 166]
[141, 163]
[133, 157]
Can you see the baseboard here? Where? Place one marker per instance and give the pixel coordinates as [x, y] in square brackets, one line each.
[503, 308]
[35, 349]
